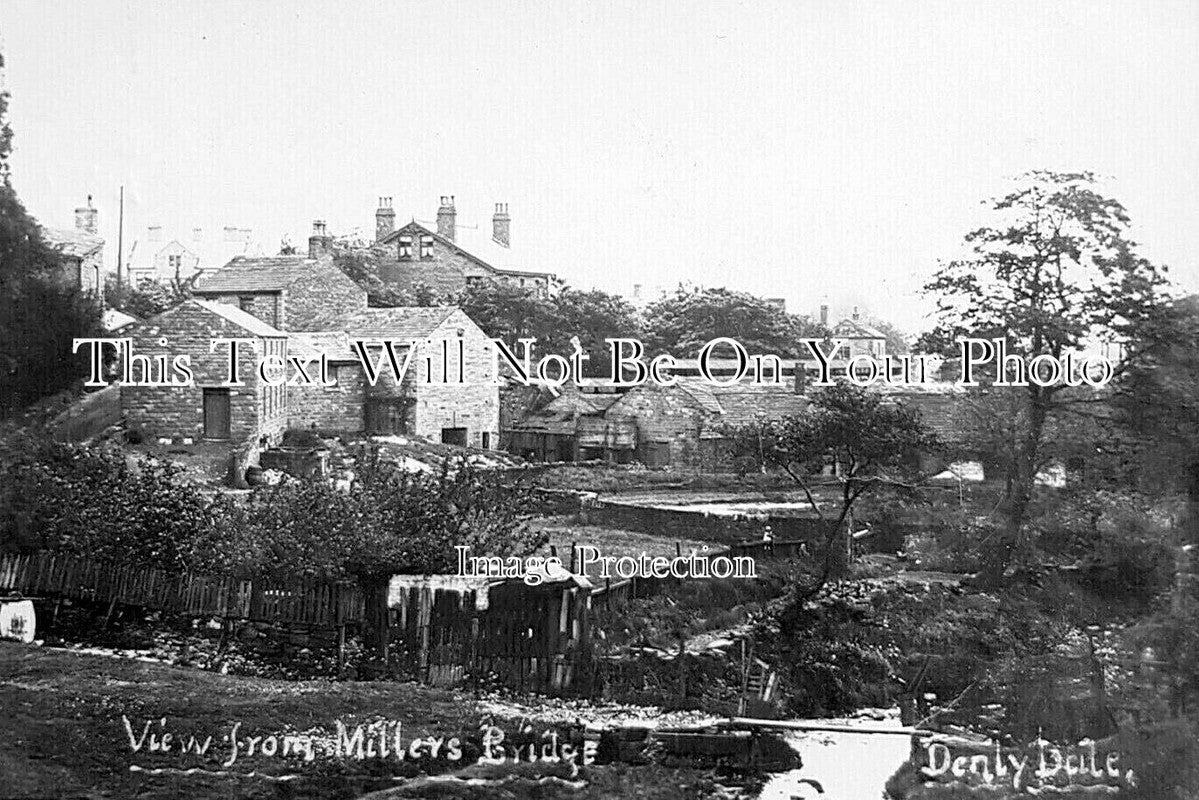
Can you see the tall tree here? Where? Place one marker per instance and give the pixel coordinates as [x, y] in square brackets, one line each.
[40, 313]
[1055, 271]
[870, 445]
[685, 321]
[594, 316]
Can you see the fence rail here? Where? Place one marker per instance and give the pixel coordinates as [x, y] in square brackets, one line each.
[309, 602]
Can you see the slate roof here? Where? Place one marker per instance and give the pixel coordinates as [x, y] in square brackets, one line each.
[240, 318]
[398, 322]
[72, 242]
[269, 274]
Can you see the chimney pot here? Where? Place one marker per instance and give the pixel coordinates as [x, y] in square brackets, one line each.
[385, 219]
[85, 217]
[501, 225]
[824, 315]
[319, 243]
[446, 217]
[855, 313]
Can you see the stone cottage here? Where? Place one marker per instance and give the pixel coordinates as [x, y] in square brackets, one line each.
[80, 250]
[252, 412]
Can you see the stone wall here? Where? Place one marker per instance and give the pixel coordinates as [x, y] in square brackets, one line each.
[266, 306]
[474, 404]
[333, 409]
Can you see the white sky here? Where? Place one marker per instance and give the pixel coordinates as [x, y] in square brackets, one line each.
[803, 150]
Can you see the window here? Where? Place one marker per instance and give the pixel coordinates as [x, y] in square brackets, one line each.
[405, 251]
[426, 247]
[246, 303]
[175, 262]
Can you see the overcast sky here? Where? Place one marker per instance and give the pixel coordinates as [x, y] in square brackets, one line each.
[799, 149]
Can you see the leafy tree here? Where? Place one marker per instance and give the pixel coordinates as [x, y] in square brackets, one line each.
[510, 312]
[147, 299]
[685, 321]
[870, 445]
[594, 316]
[1054, 272]
[40, 313]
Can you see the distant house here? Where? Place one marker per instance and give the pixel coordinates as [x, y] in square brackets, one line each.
[80, 250]
[448, 256]
[161, 258]
[210, 409]
[863, 339]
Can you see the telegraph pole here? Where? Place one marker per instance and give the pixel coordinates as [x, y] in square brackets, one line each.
[121, 235]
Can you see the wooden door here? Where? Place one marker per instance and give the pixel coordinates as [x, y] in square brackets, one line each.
[216, 413]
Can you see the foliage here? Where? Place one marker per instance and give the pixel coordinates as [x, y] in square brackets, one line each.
[1054, 272]
[98, 502]
[389, 521]
[1157, 397]
[868, 443]
[40, 313]
[148, 299]
[685, 321]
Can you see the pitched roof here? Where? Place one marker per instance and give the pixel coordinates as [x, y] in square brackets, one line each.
[72, 242]
[476, 243]
[857, 329]
[398, 322]
[238, 317]
[270, 274]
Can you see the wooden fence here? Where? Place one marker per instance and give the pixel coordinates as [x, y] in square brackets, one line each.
[530, 638]
[306, 602]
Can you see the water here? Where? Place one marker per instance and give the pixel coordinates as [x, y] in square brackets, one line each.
[848, 766]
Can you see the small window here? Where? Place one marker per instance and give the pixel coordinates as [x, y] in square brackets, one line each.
[176, 264]
[426, 247]
[246, 304]
[405, 250]
[522, 282]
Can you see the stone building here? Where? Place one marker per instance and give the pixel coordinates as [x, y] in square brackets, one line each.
[292, 293]
[80, 250]
[252, 412]
[447, 255]
[163, 258]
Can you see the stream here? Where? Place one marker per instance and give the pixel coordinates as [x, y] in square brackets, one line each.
[847, 766]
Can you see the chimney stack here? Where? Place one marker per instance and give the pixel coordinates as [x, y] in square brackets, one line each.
[85, 217]
[824, 315]
[855, 313]
[446, 215]
[320, 243]
[154, 233]
[197, 234]
[385, 219]
[501, 224]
